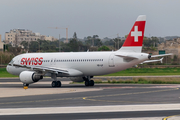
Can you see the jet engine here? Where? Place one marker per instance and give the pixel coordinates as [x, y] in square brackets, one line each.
[149, 56]
[76, 79]
[29, 77]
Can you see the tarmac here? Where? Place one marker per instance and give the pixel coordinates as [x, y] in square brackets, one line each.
[100, 102]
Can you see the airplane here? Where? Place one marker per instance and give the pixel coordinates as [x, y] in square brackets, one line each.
[81, 66]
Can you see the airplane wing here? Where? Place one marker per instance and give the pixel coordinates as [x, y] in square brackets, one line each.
[148, 61]
[43, 69]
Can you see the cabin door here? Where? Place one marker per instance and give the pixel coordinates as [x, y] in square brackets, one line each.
[111, 60]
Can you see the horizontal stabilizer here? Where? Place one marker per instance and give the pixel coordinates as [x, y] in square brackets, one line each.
[149, 61]
[153, 56]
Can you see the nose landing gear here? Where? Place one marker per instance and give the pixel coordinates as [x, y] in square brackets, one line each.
[25, 86]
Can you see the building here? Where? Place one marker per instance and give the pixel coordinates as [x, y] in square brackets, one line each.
[1, 44]
[171, 46]
[16, 36]
[50, 38]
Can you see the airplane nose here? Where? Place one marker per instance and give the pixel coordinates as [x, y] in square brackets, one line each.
[8, 69]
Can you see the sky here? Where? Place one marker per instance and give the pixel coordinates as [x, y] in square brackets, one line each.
[105, 18]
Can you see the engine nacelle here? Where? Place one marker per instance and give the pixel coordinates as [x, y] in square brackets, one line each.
[29, 77]
[76, 79]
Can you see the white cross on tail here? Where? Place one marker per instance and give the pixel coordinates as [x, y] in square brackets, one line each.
[136, 33]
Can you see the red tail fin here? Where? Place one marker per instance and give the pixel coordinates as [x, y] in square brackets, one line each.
[135, 37]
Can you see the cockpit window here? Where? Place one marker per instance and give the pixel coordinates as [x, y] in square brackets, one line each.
[12, 61]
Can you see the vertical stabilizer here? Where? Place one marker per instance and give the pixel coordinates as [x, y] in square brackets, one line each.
[135, 37]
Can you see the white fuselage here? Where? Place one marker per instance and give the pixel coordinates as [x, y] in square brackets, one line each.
[88, 63]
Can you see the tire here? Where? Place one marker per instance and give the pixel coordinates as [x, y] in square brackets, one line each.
[91, 82]
[25, 84]
[58, 84]
[54, 84]
[86, 83]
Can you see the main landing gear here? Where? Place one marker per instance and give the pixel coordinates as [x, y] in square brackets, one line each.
[88, 82]
[55, 83]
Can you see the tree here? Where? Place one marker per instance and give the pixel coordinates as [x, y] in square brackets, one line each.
[97, 42]
[75, 36]
[150, 42]
[88, 41]
[33, 46]
[126, 36]
[104, 48]
[24, 44]
[14, 50]
[73, 43]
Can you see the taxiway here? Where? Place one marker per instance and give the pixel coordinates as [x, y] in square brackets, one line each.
[75, 101]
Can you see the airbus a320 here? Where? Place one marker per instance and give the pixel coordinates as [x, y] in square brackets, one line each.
[81, 66]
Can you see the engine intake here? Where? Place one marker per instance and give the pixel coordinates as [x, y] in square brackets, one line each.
[29, 77]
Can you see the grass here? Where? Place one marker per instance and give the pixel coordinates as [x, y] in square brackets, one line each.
[127, 72]
[132, 72]
[4, 73]
[147, 72]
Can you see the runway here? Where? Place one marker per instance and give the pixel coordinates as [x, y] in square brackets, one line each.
[75, 101]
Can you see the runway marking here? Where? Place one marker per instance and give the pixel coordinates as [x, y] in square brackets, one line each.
[91, 98]
[172, 86]
[89, 109]
[136, 118]
[166, 118]
[67, 91]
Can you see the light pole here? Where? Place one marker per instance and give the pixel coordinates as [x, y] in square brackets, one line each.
[114, 45]
[1, 58]
[118, 40]
[39, 45]
[28, 46]
[59, 44]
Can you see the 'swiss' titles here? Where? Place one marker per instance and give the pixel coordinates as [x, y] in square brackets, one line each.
[32, 61]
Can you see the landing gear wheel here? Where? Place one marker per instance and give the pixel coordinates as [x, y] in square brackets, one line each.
[86, 83]
[54, 83]
[91, 83]
[25, 84]
[58, 84]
